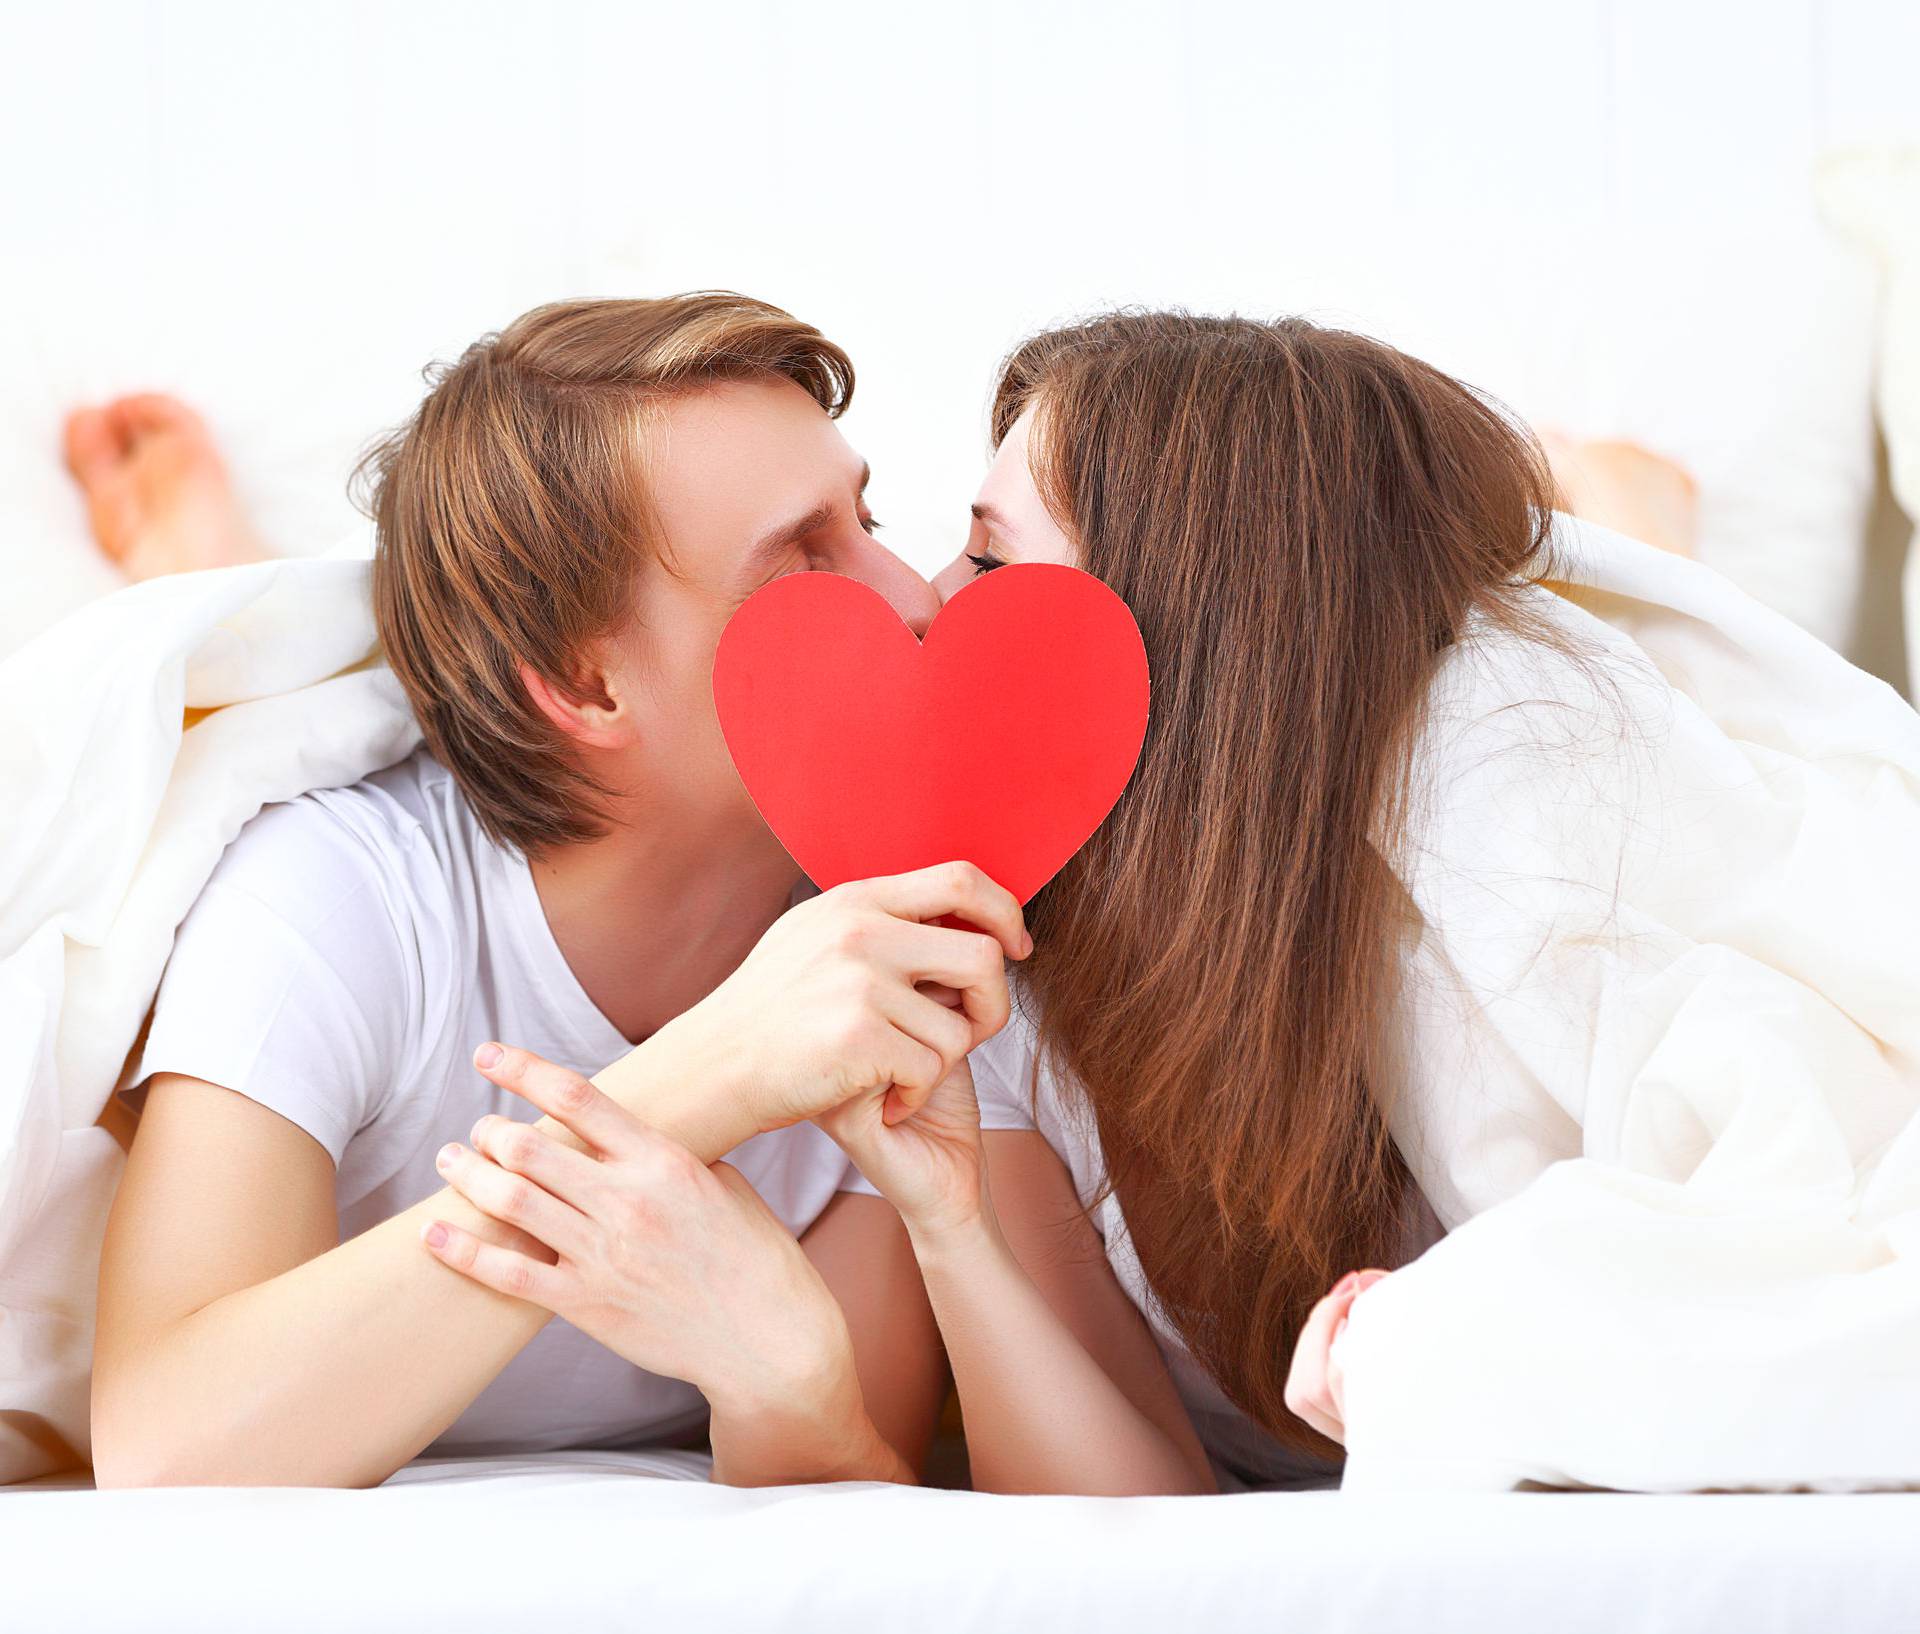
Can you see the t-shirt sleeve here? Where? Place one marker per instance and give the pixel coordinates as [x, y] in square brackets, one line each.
[289, 981]
[1003, 1075]
[854, 1180]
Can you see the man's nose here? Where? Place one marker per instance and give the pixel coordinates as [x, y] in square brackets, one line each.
[907, 593]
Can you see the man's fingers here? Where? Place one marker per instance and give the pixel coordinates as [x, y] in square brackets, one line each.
[957, 888]
[967, 962]
[945, 1031]
[545, 1160]
[564, 1095]
[497, 1268]
[512, 1199]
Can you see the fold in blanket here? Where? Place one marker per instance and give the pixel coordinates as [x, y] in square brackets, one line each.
[114, 814]
[1659, 1060]
[1658, 1053]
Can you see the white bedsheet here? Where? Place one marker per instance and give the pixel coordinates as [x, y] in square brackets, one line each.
[581, 1541]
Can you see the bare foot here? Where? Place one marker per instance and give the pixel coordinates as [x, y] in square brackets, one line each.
[1628, 488]
[158, 494]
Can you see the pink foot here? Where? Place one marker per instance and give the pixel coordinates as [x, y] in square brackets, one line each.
[158, 495]
[1626, 487]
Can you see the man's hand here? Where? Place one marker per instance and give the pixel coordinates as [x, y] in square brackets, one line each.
[1315, 1388]
[833, 1003]
[676, 1265]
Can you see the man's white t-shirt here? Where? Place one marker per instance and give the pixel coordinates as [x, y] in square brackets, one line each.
[1018, 1089]
[350, 951]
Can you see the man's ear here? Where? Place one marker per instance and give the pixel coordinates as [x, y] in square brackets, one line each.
[598, 719]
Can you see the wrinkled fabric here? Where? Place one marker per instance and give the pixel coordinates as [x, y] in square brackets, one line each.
[136, 736]
[1656, 1062]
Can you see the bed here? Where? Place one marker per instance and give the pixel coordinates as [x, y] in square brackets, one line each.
[618, 1540]
[299, 320]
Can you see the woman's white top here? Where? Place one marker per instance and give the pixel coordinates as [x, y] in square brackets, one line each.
[1655, 1063]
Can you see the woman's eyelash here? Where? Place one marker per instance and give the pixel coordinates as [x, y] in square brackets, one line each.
[873, 524]
[983, 563]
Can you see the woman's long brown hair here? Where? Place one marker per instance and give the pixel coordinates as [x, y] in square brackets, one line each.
[1300, 518]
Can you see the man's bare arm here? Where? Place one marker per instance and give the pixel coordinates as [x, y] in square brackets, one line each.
[239, 1342]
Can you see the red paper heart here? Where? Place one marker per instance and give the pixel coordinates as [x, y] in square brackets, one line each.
[1003, 739]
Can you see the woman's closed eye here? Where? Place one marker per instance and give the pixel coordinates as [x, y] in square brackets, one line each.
[984, 563]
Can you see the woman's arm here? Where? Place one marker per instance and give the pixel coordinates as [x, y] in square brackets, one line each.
[1061, 1383]
[861, 1249]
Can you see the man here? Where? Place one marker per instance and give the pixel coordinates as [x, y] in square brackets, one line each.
[569, 864]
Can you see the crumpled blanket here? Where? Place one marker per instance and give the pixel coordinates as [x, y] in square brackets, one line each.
[1660, 1043]
[1657, 1064]
[136, 737]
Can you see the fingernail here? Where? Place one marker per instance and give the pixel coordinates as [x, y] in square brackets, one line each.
[435, 1236]
[1029, 937]
[488, 1055]
[448, 1153]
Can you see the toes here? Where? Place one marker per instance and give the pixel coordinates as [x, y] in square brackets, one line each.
[92, 445]
[145, 414]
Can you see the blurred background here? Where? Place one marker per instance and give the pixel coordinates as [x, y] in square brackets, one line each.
[1651, 219]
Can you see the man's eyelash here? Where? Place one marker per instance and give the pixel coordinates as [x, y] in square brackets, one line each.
[984, 564]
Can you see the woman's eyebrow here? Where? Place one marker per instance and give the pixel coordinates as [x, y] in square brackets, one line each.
[993, 519]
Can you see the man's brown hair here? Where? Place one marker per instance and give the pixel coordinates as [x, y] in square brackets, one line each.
[513, 516]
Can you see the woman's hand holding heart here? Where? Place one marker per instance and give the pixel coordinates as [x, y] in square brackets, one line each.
[674, 1264]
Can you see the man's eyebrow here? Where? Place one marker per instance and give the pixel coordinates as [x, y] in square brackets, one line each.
[775, 540]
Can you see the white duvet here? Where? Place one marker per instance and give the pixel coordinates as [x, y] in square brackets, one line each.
[1661, 1058]
[111, 819]
[1677, 1146]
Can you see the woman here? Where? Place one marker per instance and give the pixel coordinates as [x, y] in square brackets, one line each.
[1201, 1009]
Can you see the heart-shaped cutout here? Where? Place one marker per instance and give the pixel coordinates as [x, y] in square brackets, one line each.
[1003, 739]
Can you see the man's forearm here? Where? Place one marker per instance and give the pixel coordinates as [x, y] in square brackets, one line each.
[341, 1369]
[681, 1086]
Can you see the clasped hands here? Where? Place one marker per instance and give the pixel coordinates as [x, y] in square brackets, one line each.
[852, 1011]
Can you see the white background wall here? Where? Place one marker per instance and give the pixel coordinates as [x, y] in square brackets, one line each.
[1597, 208]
